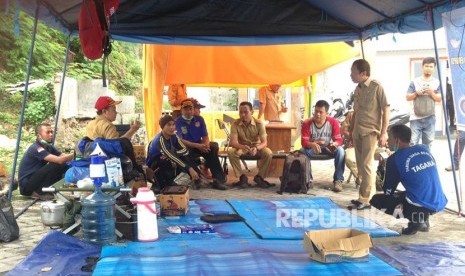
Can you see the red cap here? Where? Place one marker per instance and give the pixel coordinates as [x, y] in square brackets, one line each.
[104, 102]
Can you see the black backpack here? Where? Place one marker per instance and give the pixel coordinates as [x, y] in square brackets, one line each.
[296, 176]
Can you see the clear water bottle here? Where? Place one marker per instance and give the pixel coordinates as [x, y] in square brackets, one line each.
[98, 209]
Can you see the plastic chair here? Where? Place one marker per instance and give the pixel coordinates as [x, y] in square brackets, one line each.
[224, 156]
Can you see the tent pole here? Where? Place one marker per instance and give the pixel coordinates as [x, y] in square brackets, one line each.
[443, 98]
[21, 117]
[361, 46]
[63, 76]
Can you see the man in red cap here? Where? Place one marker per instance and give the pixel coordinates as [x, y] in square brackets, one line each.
[102, 127]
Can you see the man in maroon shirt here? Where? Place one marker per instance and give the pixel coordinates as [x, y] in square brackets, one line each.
[321, 134]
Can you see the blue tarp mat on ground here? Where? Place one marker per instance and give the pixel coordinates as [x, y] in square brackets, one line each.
[288, 219]
[197, 208]
[231, 257]
[64, 254]
[424, 259]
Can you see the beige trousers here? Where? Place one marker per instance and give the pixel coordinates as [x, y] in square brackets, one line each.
[365, 147]
[263, 164]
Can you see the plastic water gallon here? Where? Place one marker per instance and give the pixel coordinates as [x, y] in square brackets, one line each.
[98, 209]
[147, 228]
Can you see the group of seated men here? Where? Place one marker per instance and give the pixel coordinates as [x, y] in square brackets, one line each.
[181, 142]
[43, 164]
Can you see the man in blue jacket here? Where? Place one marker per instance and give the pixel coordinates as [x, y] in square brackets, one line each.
[168, 156]
[192, 131]
[415, 168]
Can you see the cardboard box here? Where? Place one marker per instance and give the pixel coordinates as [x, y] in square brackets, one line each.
[139, 153]
[338, 245]
[114, 172]
[174, 200]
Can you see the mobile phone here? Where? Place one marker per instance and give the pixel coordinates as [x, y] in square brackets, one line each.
[384, 155]
[331, 148]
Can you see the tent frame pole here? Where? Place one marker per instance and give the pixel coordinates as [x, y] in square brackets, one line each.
[63, 77]
[443, 98]
[361, 47]
[26, 86]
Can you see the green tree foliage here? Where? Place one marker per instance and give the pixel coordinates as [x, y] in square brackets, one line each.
[40, 104]
[124, 68]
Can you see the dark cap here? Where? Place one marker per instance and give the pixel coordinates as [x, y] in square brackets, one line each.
[195, 103]
[187, 103]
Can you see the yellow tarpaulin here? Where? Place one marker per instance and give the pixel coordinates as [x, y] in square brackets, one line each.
[231, 66]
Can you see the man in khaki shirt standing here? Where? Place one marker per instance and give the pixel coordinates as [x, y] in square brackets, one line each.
[369, 128]
[248, 136]
[271, 102]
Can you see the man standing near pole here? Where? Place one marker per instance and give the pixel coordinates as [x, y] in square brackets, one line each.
[369, 128]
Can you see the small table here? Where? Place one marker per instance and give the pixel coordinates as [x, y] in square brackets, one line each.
[279, 140]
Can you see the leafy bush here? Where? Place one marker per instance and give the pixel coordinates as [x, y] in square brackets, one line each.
[40, 104]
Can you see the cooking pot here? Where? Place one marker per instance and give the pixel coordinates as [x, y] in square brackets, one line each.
[52, 213]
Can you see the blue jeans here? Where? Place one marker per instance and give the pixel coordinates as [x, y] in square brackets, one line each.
[424, 129]
[338, 155]
[458, 147]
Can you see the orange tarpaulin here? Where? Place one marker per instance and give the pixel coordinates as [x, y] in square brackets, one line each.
[230, 66]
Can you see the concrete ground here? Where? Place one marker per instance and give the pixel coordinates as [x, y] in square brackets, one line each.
[445, 226]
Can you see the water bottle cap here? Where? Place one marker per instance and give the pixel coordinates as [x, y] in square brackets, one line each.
[97, 159]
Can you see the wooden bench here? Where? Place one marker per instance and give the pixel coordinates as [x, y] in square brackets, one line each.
[276, 155]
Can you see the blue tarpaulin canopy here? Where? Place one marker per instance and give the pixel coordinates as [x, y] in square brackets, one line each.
[245, 22]
[250, 22]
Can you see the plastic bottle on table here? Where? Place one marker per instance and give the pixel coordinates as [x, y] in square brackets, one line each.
[98, 209]
[147, 227]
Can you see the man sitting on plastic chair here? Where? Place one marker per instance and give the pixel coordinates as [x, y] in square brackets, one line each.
[224, 163]
[193, 133]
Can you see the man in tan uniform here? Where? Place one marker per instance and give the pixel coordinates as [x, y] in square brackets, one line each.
[369, 128]
[248, 136]
[176, 94]
[271, 102]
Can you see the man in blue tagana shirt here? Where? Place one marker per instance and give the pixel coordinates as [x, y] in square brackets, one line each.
[415, 168]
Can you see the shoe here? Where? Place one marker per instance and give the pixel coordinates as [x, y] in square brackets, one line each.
[42, 197]
[449, 169]
[243, 182]
[355, 202]
[424, 227]
[219, 186]
[411, 229]
[337, 186]
[260, 182]
[357, 205]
